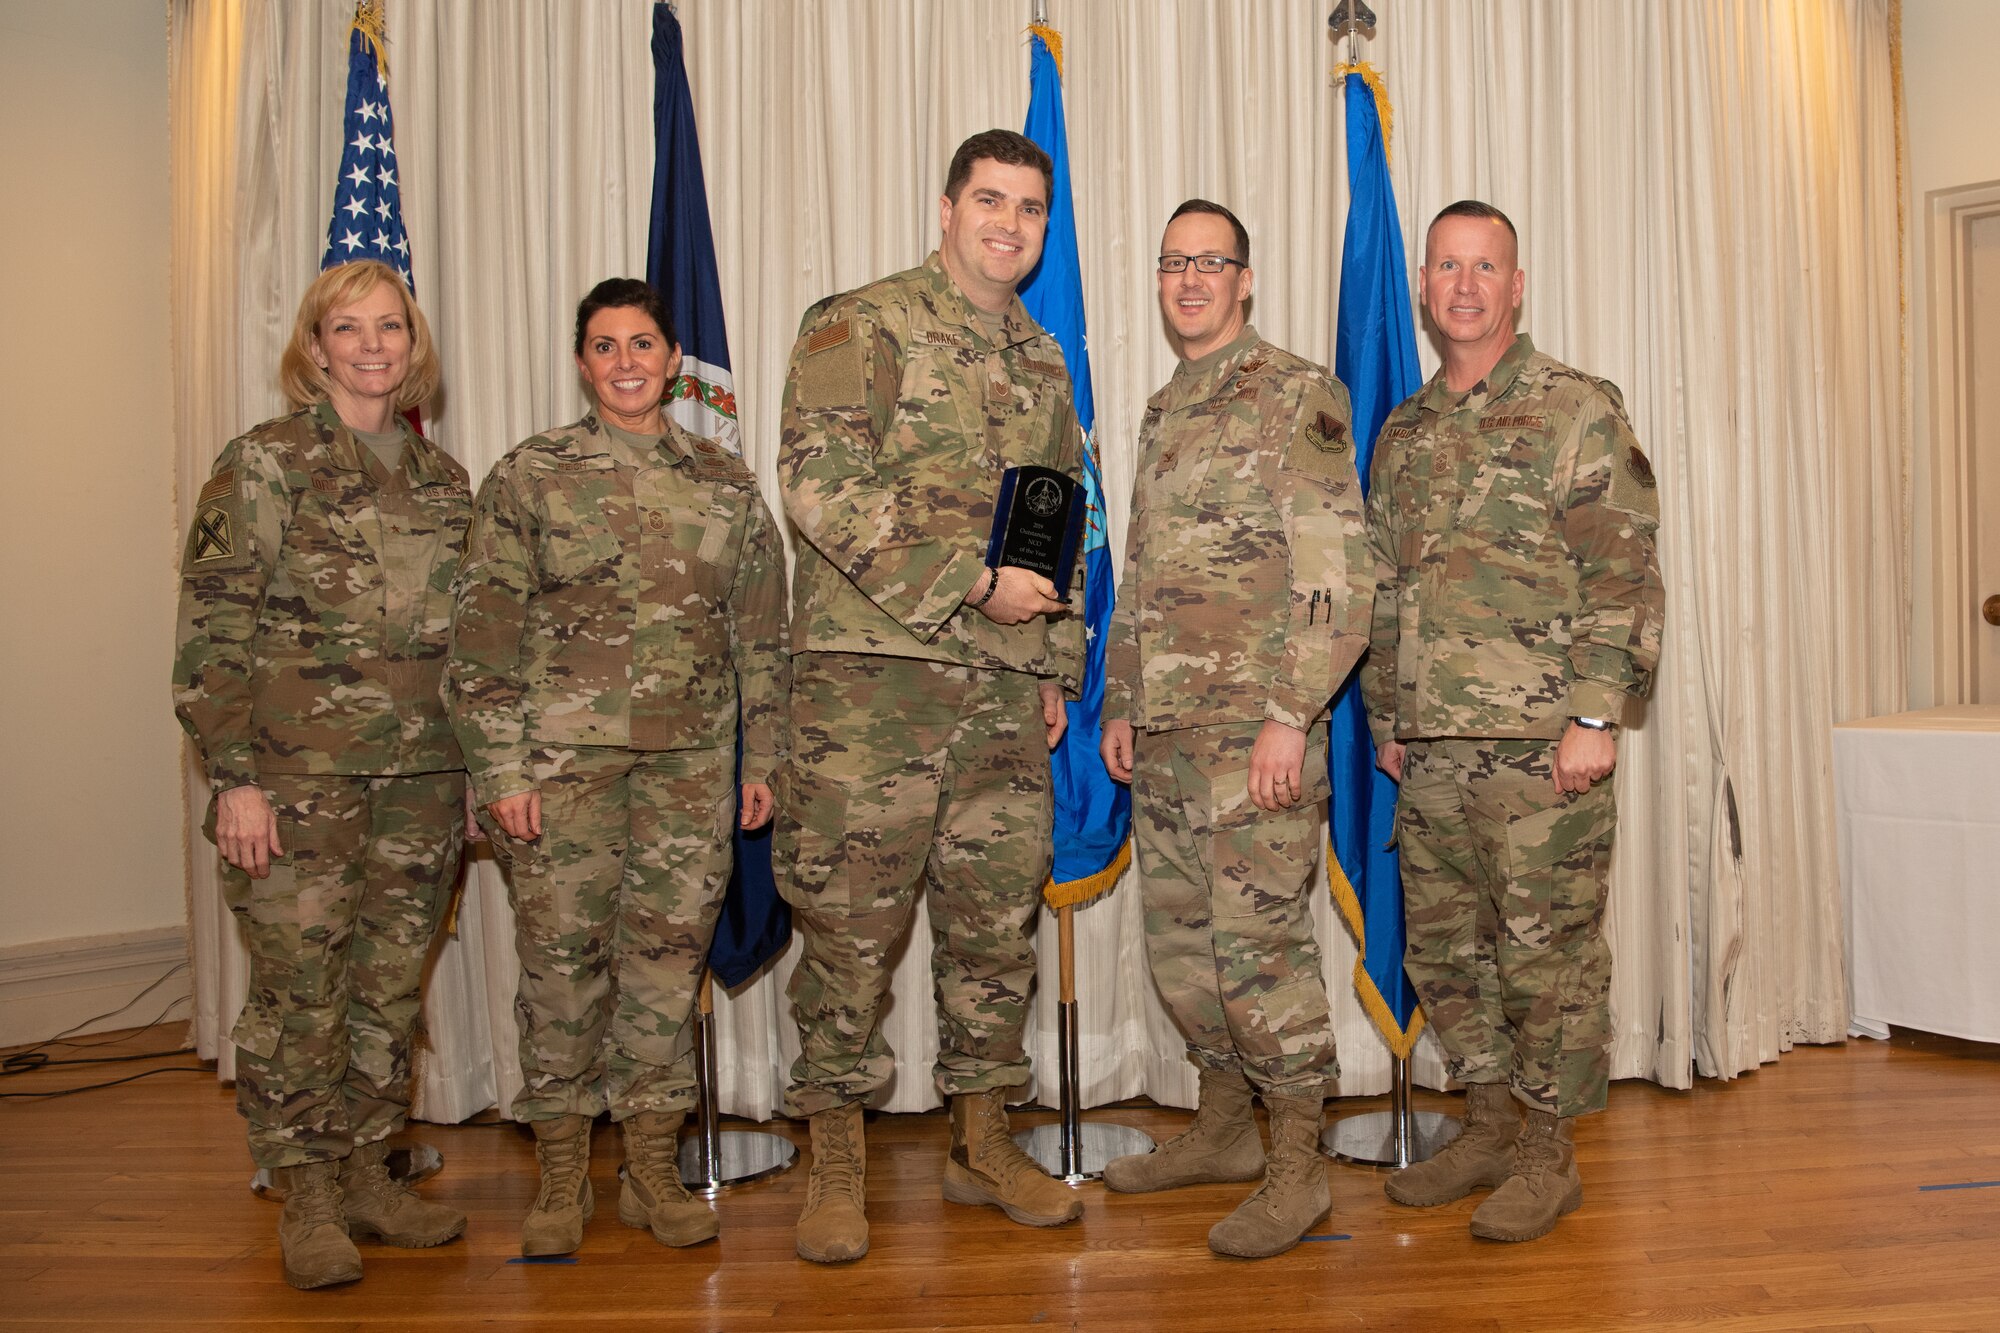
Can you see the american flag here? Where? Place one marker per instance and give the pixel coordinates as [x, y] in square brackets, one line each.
[367, 218]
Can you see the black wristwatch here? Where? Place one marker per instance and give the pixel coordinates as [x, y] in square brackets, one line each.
[1594, 723]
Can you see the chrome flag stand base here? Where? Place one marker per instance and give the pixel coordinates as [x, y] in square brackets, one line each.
[1070, 1150]
[713, 1159]
[409, 1165]
[1393, 1138]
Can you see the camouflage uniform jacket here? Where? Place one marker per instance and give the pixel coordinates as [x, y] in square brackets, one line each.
[1247, 579]
[1512, 531]
[899, 417]
[315, 606]
[603, 603]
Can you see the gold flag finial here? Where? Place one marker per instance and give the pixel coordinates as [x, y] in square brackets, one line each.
[1051, 39]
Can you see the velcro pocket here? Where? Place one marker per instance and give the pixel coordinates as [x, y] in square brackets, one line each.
[259, 1028]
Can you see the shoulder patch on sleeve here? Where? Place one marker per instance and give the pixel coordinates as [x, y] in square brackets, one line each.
[1322, 443]
[832, 371]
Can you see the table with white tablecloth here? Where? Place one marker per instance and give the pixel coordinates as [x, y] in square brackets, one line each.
[1918, 814]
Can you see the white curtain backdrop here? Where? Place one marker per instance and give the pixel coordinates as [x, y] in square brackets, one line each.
[1706, 192]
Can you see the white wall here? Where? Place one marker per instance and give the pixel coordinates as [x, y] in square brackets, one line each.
[90, 799]
[1951, 108]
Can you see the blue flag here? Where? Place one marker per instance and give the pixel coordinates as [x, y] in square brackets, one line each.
[680, 249]
[754, 924]
[367, 221]
[1093, 814]
[1375, 356]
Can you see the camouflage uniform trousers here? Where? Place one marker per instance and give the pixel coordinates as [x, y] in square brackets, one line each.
[1229, 925]
[337, 936]
[907, 773]
[1504, 891]
[614, 908]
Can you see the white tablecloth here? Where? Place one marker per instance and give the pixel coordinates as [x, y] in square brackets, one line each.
[1918, 798]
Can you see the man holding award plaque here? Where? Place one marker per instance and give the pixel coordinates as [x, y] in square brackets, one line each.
[1243, 606]
[929, 672]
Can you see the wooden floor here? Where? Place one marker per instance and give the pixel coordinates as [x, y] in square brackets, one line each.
[1851, 1187]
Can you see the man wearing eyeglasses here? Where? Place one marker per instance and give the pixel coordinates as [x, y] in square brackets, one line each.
[1244, 605]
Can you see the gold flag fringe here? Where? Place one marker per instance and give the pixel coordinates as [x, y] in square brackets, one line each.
[1076, 892]
[1373, 78]
[1401, 1041]
[1051, 39]
[371, 23]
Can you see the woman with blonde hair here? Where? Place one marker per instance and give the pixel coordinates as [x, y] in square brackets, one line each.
[315, 616]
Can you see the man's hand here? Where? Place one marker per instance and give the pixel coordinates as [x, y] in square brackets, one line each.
[1021, 596]
[520, 815]
[757, 805]
[246, 830]
[1584, 756]
[1277, 767]
[1390, 760]
[1054, 714]
[1116, 750]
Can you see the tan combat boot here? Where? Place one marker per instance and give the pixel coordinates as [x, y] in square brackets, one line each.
[378, 1207]
[987, 1167]
[1480, 1158]
[312, 1236]
[653, 1196]
[1544, 1185]
[562, 1154]
[1294, 1194]
[833, 1226]
[1221, 1144]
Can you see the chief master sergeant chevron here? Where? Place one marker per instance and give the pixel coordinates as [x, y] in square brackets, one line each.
[927, 688]
[1517, 613]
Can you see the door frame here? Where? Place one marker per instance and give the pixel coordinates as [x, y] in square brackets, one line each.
[1954, 669]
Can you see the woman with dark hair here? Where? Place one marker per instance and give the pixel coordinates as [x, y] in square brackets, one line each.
[621, 606]
[314, 616]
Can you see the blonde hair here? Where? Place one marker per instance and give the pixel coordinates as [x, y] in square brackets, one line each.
[301, 377]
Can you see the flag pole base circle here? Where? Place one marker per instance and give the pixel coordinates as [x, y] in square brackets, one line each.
[1095, 1145]
[739, 1156]
[1372, 1139]
[409, 1165]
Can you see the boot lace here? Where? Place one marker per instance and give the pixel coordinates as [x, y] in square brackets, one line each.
[315, 1199]
[655, 1159]
[563, 1163]
[833, 1169]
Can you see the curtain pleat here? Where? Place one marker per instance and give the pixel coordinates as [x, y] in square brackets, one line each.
[1706, 198]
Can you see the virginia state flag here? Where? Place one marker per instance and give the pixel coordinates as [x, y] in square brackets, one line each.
[1093, 813]
[754, 924]
[680, 253]
[1375, 356]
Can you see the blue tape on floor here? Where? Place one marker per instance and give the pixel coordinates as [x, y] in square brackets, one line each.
[1337, 1235]
[1968, 1185]
[543, 1259]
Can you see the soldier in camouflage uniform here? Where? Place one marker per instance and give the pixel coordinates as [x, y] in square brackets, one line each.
[314, 609]
[1245, 604]
[1517, 614]
[622, 602]
[928, 688]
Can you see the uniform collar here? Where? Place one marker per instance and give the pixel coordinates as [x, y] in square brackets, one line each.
[1200, 380]
[673, 446]
[1438, 397]
[422, 462]
[950, 305]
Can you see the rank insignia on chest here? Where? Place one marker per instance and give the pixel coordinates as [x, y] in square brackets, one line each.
[213, 538]
[1440, 463]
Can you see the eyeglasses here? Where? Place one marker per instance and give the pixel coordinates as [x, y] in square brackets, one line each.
[1202, 263]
